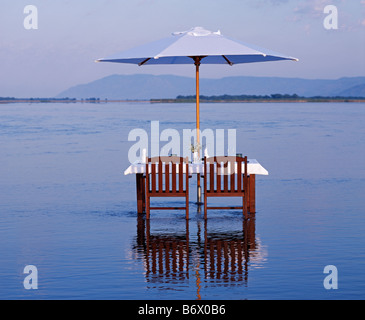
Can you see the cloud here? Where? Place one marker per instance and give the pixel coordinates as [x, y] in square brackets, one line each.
[310, 8]
[277, 2]
[263, 3]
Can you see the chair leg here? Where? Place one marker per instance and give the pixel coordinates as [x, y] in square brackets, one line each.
[187, 206]
[205, 207]
[244, 205]
[147, 207]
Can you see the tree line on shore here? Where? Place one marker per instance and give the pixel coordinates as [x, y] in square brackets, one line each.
[276, 96]
[203, 98]
[67, 99]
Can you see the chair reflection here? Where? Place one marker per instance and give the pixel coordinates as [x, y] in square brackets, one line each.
[166, 257]
[226, 255]
[207, 256]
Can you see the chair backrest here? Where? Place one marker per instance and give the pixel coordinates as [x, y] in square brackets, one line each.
[225, 174]
[167, 175]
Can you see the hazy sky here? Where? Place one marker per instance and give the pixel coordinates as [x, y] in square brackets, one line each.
[72, 34]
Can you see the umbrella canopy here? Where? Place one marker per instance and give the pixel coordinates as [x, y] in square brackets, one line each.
[182, 47]
[196, 46]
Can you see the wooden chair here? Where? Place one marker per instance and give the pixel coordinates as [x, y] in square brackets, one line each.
[167, 177]
[224, 177]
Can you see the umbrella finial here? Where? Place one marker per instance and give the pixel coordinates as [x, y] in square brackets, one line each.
[197, 32]
[201, 32]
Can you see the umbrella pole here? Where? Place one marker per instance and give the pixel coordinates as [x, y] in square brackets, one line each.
[197, 64]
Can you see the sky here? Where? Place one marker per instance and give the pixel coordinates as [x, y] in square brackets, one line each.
[61, 52]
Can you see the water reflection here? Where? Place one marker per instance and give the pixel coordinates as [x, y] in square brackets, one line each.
[226, 255]
[201, 252]
[165, 257]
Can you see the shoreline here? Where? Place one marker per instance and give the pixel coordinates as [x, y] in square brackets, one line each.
[257, 100]
[152, 101]
[51, 100]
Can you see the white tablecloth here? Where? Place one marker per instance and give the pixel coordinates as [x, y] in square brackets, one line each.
[253, 167]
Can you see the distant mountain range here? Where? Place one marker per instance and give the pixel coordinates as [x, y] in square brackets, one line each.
[145, 86]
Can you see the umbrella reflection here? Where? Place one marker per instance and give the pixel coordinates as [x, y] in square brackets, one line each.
[206, 255]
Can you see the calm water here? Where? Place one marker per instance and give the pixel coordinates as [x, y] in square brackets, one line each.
[67, 208]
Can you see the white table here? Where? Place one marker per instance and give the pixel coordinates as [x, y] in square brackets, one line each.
[139, 169]
[253, 167]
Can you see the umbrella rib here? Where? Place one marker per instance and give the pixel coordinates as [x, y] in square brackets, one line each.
[143, 62]
[229, 62]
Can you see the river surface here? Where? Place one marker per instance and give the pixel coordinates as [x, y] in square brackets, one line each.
[67, 208]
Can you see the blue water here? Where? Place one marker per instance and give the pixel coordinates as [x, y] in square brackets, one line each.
[67, 208]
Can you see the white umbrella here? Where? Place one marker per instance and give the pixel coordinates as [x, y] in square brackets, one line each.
[196, 46]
